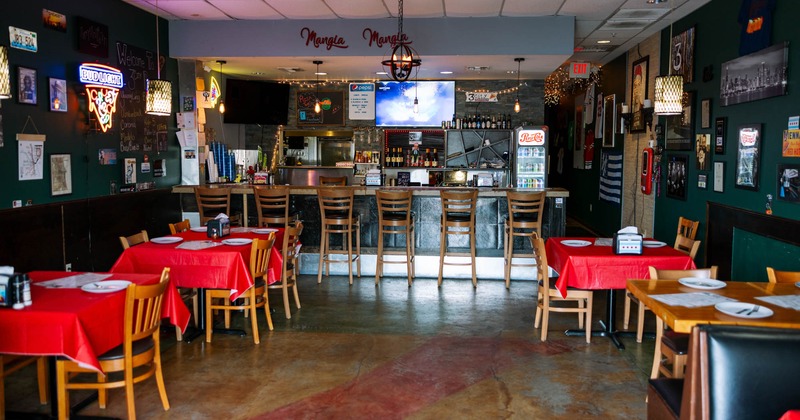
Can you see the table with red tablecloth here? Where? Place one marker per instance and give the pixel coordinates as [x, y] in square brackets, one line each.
[596, 267]
[76, 324]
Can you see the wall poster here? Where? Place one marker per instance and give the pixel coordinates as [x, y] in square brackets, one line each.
[789, 183]
[748, 151]
[677, 173]
[639, 78]
[759, 75]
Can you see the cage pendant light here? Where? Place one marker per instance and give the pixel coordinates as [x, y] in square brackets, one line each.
[402, 57]
[158, 100]
[5, 74]
[668, 90]
[519, 61]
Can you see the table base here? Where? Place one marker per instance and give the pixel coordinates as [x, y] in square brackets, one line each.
[607, 326]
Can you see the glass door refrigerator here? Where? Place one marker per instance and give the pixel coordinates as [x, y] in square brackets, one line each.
[530, 144]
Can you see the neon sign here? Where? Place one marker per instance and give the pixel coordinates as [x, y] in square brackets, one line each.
[216, 92]
[102, 88]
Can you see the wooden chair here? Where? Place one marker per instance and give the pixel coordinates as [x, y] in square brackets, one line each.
[213, 201]
[687, 246]
[179, 227]
[289, 271]
[272, 206]
[129, 241]
[186, 293]
[254, 298]
[669, 357]
[687, 228]
[10, 363]
[395, 218]
[141, 348]
[337, 217]
[332, 181]
[525, 210]
[458, 218]
[548, 294]
[776, 276]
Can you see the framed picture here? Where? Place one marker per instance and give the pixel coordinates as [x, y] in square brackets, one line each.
[702, 181]
[332, 108]
[747, 154]
[609, 120]
[26, 84]
[638, 92]
[130, 171]
[677, 172]
[60, 174]
[683, 55]
[789, 183]
[58, 95]
[680, 129]
[720, 126]
[759, 75]
[703, 148]
[705, 113]
[719, 176]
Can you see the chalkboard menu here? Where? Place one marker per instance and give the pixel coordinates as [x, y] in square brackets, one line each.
[137, 130]
[332, 104]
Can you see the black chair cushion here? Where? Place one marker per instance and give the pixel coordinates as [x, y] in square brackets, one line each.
[458, 217]
[139, 347]
[677, 342]
[664, 392]
[526, 218]
[394, 216]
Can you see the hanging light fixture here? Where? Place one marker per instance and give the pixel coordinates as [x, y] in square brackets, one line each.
[519, 61]
[317, 106]
[158, 100]
[668, 90]
[403, 58]
[416, 91]
[5, 74]
[221, 102]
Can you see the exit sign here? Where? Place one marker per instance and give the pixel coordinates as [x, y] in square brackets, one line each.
[579, 70]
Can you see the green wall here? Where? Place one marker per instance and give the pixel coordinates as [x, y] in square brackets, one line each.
[58, 57]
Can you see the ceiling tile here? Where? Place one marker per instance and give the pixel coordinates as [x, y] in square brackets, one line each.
[246, 9]
[516, 8]
[360, 9]
[591, 9]
[472, 8]
[584, 28]
[302, 9]
[418, 8]
[192, 9]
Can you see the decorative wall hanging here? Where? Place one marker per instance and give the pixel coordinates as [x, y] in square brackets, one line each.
[705, 113]
[759, 75]
[60, 174]
[703, 150]
[102, 89]
[720, 129]
[683, 55]
[58, 94]
[639, 77]
[26, 85]
[789, 183]
[719, 177]
[609, 120]
[680, 129]
[677, 175]
[747, 156]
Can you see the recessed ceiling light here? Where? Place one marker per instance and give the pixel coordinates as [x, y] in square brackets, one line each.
[604, 41]
[257, 73]
[511, 72]
[320, 73]
[446, 72]
[382, 73]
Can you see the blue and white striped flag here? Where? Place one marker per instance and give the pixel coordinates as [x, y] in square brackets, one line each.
[611, 177]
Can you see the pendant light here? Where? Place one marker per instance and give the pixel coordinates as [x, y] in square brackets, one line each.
[668, 90]
[158, 100]
[221, 102]
[5, 74]
[519, 61]
[403, 58]
[416, 91]
[317, 106]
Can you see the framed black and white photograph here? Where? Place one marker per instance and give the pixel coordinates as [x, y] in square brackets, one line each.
[60, 174]
[702, 181]
[747, 156]
[755, 76]
[609, 120]
[789, 183]
[683, 55]
[720, 126]
[719, 177]
[639, 78]
[26, 85]
[702, 149]
[680, 129]
[677, 173]
[705, 113]
[58, 95]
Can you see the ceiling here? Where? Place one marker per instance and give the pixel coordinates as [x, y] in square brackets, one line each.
[624, 23]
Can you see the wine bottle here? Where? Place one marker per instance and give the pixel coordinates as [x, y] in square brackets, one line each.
[427, 157]
[435, 162]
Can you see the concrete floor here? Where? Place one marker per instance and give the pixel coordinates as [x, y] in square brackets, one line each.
[392, 352]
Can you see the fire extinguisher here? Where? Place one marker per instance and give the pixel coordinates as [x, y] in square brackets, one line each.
[647, 171]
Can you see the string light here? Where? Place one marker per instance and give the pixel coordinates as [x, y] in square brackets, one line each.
[559, 84]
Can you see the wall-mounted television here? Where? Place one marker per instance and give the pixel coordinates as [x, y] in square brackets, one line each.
[256, 102]
[394, 103]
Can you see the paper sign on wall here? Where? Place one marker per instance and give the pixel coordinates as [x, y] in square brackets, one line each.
[362, 101]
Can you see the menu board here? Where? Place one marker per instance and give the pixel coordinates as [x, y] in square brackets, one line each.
[332, 104]
[137, 130]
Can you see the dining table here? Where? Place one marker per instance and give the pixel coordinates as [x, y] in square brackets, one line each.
[197, 261]
[591, 264]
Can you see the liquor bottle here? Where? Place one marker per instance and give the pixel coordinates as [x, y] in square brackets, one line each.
[494, 122]
[479, 121]
[427, 157]
[408, 158]
[396, 157]
[435, 162]
[453, 122]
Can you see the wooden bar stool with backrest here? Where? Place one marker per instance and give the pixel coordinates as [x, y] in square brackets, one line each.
[273, 206]
[548, 294]
[186, 292]
[671, 348]
[289, 270]
[213, 201]
[776, 276]
[524, 220]
[10, 363]
[337, 217]
[395, 218]
[458, 218]
[255, 297]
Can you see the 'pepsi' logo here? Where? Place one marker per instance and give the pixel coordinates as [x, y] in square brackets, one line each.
[532, 137]
[362, 87]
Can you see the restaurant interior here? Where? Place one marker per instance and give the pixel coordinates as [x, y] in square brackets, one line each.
[349, 279]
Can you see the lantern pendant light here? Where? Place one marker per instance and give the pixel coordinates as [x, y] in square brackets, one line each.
[5, 74]
[403, 58]
[317, 106]
[668, 90]
[158, 100]
[519, 61]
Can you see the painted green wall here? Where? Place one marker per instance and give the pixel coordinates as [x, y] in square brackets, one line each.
[67, 132]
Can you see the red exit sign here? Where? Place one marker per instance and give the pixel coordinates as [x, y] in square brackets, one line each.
[580, 70]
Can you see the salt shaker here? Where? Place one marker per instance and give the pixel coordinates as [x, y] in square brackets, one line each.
[17, 287]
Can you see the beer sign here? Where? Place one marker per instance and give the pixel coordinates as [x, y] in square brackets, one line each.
[532, 137]
[481, 96]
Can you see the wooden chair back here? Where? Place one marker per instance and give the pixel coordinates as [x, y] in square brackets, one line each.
[394, 207]
[542, 269]
[333, 181]
[212, 201]
[180, 226]
[687, 228]
[687, 246]
[143, 305]
[335, 204]
[776, 276]
[260, 251]
[136, 239]
[291, 238]
[703, 273]
[525, 210]
[458, 207]
[272, 205]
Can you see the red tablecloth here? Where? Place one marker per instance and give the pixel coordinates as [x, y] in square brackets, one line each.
[597, 267]
[76, 324]
[219, 267]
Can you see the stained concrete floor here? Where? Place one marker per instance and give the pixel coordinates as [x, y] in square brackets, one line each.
[390, 352]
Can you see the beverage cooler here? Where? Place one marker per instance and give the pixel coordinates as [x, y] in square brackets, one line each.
[530, 143]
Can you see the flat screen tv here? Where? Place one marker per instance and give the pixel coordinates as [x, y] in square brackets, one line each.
[256, 102]
[394, 103]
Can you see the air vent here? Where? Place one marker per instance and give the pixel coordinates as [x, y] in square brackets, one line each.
[639, 14]
[478, 68]
[624, 25]
[596, 48]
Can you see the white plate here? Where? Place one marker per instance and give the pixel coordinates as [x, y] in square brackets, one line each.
[797, 284]
[199, 229]
[236, 241]
[265, 231]
[108, 286]
[743, 310]
[575, 242]
[653, 244]
[167, 240]
[700, 283]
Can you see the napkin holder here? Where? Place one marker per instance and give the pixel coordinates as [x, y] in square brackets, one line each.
[222, 227]
[627, 244]
[5, 295]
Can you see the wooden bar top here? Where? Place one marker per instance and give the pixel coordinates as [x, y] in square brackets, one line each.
[365, 190]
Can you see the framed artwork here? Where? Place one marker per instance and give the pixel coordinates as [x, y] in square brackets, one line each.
[638, 92]
[755, 76]
[332, 108]
[60, 174]
[720, 126]
[705, 113]
[719, 177]
[58, 95]
[702, 181]
[747, 154]
[683, 55]
[26, 84]
[677, 172]
[609, 120]
[130, 171]
[703, 149]
[680, 129]
[789, 183]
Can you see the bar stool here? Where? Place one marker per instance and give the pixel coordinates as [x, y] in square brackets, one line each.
[524, 219]
[273, 207]
[395, 218]
[213, 201]
[332, 181]
[336, 214]
[458, 214]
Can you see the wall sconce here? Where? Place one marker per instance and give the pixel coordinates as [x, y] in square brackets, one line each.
[5, 74]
